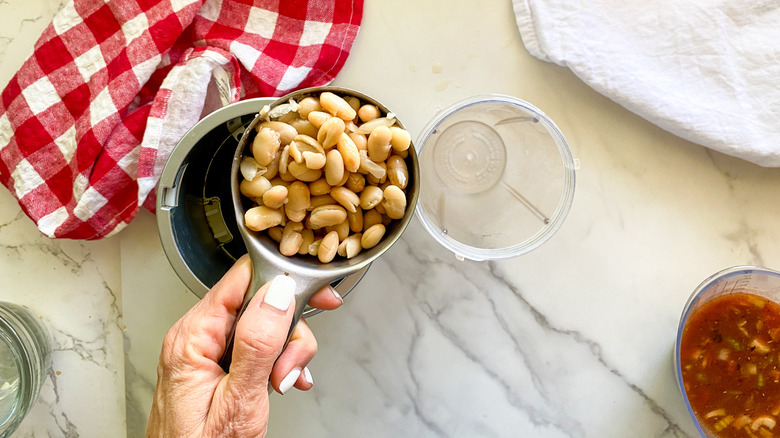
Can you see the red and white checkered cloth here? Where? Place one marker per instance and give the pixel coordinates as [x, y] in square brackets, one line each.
[87, 123]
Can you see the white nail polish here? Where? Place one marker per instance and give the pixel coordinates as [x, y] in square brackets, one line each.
[289, 381]
[307, 376]
[280, 292]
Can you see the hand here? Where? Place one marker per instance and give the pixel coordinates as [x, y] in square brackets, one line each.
[195, 397]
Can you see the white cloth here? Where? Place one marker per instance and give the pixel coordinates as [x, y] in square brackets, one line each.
[705, 70]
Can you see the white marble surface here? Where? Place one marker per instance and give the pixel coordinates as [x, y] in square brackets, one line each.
[74, 287]
[571, 340]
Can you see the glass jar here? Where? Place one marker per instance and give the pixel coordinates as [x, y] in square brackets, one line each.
[25, 354]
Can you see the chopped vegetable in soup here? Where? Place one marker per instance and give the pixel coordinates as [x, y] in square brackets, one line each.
[730, 359]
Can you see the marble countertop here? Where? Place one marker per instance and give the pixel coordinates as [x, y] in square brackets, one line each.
[571, 340]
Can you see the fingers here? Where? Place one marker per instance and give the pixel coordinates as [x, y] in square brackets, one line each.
[261, 334]
[202, 332]
[326, 299]
[291, 367]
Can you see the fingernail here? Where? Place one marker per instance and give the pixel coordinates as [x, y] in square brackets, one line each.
[332, 289]
[307, 376]
[289, 381]
[280, 292]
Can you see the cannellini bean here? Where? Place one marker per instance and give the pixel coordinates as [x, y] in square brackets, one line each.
[355, 220]
[327, 215]
[353, 101]
[330, 131]
[360, 140]
[314, 160]
[294, 215]
[272, 169]
[367, 127]
[402, 154]
[350, 247]
[378, 144]
[370, 197]
[308, 151]
[318, 118]
[287, 177]
[304, 127]
[355, 182]
[342, 229]
[337, 106]
[401, 139]
[317, 201]
[275, 233]
[342, 248]
[298, 197]
[394, 202]
[314, 247]
[371, 218]
[397, 172]
[255, 188]
[368, 112]
[275, 197]
[346, 197]
[278, 181]
[310, 143]
[285, 131]
[372, 236]
[349, 152]
[328, 246]
[302, 143]
[303, 173]
[319, 187]
[262, 217]
[344, 179]
[291, 238]
[307, 105]
[307, 237]
[265, 145]
[334, 167]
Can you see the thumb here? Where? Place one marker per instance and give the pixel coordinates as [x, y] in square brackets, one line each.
[261, 334]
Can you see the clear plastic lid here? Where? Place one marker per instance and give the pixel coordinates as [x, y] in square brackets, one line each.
[497, 177]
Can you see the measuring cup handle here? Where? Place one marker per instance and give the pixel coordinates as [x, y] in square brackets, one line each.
[305, 288]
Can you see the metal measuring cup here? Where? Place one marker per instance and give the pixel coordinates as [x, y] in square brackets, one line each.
[309, 273]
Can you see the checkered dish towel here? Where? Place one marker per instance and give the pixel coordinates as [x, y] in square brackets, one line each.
[87, 123]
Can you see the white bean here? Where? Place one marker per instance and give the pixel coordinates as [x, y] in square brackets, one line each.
[328, 246]
[372, 236]
[261, 218]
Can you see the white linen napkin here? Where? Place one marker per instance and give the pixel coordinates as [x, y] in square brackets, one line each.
[705, 70]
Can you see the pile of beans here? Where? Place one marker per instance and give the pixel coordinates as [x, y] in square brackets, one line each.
[327, 174]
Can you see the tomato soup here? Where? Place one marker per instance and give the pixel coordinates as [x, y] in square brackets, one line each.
[730, 361]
